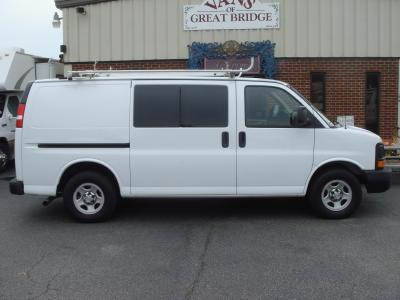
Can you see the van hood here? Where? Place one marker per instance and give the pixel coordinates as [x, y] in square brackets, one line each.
[364, 131]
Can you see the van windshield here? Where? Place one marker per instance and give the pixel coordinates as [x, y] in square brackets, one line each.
[329, 122]
[2, 104]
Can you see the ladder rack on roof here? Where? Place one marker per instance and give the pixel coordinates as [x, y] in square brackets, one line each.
[201, 73]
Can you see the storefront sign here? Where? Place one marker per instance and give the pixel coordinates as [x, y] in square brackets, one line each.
[233, 63]
[345, 120]
[231, 14]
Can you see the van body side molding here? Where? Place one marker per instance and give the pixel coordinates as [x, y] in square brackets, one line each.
[89, 145]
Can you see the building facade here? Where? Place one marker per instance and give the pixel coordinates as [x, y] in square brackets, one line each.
[341, 54]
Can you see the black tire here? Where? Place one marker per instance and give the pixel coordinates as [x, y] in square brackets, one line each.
[3, 155]
[108, 192]
[315, 196]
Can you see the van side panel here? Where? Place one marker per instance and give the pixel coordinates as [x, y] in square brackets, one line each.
[75, 121]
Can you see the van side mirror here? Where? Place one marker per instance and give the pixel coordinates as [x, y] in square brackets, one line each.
[300, 118]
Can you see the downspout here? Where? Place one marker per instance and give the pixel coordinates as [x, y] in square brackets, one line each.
[398, 106]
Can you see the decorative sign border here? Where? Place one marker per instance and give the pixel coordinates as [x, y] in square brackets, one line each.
[231, 14]
[265, 49]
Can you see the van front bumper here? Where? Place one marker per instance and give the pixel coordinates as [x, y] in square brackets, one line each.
[378, 181]
[16, 187]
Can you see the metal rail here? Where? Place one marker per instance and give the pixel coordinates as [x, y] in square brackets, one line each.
[207, 73]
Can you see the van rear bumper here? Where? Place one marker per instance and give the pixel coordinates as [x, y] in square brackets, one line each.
[378, 181]
[16, 187]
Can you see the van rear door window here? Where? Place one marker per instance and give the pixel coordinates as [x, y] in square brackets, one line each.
[181, 106]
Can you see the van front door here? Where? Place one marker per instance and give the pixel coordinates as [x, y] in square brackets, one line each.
[183, 138]
[273, 158]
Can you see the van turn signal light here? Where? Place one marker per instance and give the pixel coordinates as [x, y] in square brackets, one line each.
[380, 164]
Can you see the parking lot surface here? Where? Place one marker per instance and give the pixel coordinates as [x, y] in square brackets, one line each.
[199, 249]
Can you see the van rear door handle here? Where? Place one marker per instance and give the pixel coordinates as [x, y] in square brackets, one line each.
[225, 139]
[3, 125]
[242, 139]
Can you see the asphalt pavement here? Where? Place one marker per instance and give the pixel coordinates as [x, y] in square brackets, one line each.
[200, 249]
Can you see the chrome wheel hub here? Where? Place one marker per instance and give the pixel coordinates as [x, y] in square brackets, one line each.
[88, 198]
[336, 195]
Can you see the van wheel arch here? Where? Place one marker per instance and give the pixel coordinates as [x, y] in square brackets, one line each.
[82, 167]
[344, 165]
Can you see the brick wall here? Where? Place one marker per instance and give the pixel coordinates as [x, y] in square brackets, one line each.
[345, 86]
[133, 65]
[345, 83]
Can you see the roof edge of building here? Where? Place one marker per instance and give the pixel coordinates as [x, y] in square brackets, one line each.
[73, 3]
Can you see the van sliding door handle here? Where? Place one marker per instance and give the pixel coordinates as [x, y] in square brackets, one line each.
[242, 139]
[225, 139]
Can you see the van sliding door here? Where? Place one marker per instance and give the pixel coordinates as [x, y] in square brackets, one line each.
[183, 138]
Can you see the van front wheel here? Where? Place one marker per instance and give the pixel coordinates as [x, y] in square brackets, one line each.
[335, 194]
[90, 197]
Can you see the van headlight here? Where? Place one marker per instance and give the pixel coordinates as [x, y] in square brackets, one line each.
[379, 156]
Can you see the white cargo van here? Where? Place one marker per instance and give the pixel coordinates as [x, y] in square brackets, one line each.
[100, 136]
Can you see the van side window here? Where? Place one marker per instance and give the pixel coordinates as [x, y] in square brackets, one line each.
[2, 104]
[180, 106]
[156, 106]
[268, 107]
[204, 106]
[12, 105]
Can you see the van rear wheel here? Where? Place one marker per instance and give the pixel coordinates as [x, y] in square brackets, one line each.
[335, 194]
[90, 197]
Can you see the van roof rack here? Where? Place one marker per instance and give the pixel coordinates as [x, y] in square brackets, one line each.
[89, 74]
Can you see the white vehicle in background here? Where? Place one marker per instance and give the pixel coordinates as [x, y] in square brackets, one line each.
[16, 70]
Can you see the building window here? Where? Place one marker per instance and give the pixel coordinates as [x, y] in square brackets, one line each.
[318, 90]
[372, 102]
